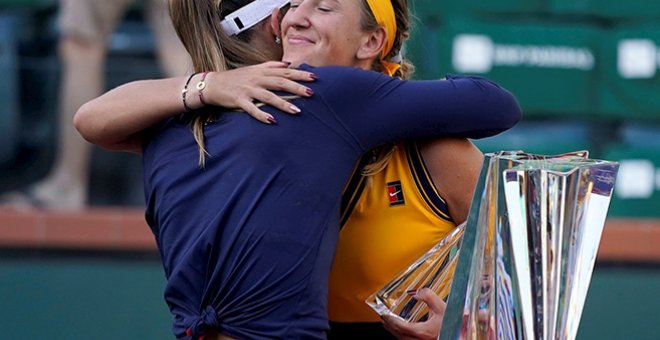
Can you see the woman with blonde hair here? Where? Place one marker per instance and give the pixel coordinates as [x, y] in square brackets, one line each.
[247, 228]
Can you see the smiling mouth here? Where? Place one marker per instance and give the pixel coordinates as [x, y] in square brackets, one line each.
[297, 39]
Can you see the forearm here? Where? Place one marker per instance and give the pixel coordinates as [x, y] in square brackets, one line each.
[117, 119]
[394, 110]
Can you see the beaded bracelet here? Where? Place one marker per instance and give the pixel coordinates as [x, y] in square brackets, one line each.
[201, 85]
[185, 91]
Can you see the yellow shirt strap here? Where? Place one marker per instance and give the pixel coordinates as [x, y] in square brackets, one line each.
[384, 14]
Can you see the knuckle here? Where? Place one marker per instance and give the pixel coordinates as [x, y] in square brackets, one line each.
[281, 82]
[268, 96]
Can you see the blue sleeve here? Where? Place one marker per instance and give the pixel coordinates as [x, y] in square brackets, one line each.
[378, 109]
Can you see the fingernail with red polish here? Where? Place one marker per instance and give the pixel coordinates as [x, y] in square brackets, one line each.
[272, 120]
[309, 92]
[313, 76]
[411, 292]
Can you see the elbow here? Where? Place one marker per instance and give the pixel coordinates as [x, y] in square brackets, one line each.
[93, 127]
[507, 107]
[504, 113]
[86, 121]
[512, 113]
[83, 122]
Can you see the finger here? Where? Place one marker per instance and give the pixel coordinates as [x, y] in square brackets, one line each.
[272, 64]
[273, 100]
[395, 325]
[390, 326]
[400, 329]
[292, 74]
[393, 321]
[435, 303]
[286, 85]
[256, 113]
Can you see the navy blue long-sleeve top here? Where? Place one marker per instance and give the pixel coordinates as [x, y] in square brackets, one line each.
[247, 241]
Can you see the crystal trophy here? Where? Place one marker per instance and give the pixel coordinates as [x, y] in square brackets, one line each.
[529, 247]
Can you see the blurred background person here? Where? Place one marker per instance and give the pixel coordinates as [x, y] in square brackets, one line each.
[84, 30]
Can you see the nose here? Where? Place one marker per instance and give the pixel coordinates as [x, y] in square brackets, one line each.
[298, 17]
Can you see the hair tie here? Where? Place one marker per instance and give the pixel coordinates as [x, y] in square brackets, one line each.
[389, 67]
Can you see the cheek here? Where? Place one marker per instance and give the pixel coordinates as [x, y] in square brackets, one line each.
[285, 24]
[343, 47]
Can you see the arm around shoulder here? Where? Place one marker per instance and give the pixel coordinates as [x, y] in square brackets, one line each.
[491, 108]
[117, 119]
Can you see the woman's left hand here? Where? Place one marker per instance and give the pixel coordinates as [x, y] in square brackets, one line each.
[428, 329]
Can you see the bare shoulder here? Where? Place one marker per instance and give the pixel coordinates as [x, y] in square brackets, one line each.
[454, 165]
[459, 150]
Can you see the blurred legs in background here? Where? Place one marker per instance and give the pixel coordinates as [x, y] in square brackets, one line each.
[85, 27]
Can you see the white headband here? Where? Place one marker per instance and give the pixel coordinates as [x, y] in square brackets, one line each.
[249, 15]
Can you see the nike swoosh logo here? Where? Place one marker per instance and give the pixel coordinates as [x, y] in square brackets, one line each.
[395, 193]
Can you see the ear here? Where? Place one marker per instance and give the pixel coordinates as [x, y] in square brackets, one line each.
[372, 44]
[274, 22]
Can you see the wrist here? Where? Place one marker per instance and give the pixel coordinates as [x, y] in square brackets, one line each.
[184, 93]
[201, 86]
[205, 96]
[191, 97]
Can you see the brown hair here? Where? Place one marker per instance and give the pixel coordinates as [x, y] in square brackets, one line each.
[197, 23]
[401, 13]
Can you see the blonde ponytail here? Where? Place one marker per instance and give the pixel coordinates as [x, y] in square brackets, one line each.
[197, 23]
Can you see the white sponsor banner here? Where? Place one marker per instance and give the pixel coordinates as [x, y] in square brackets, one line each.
[637, 58]
[636, 179]
[476, 53]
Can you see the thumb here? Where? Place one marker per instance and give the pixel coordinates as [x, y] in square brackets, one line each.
[435, 303]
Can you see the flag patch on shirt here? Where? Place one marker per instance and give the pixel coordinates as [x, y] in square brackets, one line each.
[395, 193]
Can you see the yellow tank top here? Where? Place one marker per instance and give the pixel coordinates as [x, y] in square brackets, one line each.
[387, 224]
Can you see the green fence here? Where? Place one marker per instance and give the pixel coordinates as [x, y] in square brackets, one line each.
[637, 190]
[621, 304]
[551, 67]
[610, 9]
[80, 298]
[541, 138]
[443, 8]
[630, 85]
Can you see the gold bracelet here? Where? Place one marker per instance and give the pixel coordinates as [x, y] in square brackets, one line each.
[201, 85]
